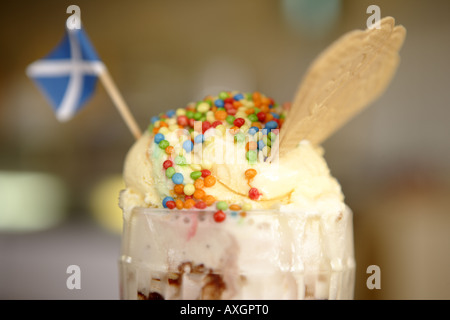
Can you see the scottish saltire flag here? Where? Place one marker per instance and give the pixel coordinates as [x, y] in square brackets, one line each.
[68, 75]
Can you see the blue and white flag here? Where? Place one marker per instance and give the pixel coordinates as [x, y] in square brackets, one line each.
[68, 75]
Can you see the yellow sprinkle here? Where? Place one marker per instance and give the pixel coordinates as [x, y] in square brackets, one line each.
[173, 127]
[157, 123]
[196, 167]
[171, 121]
[206, 165]
[244, 128]
[203, 107]
[221, 128]
[180, 112]
[189, 189]
[210, 116]
[247, 206]
[266, 151]
[240, 114]
[194, 134]
[164, 130]
[258, 135]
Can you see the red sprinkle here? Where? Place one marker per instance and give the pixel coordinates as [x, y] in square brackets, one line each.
[232, 111]
[182, 121]
[216, 123]
[228, 105]
[254, 194]
[228, 100]
[205, 173]
[167, 164]
[191, 122]
[239, 122]
[198, 204]
[206, 125]
[261, 116]
[219, 216]
[186, 197]
[171, 204]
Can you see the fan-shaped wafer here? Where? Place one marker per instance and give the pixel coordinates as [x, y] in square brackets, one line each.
[345, 78]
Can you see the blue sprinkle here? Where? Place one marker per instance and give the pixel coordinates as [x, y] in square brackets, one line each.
[271, 125]
[233, 213]
[170, 113]
[253, 130]
[275, 115]
[219, 103]
[188, 145]
[199, 138]
[261, 144]
[159, 137]
[177, 178]
[154, 119]
[165, 201]
[238, 96]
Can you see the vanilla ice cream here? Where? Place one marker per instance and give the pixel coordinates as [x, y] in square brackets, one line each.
[211, 212]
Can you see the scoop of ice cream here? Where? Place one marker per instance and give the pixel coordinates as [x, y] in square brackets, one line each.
[220, 152]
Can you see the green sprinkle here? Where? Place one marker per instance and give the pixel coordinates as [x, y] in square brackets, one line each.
[239, 137]
[230, 119]
[163, 144]
[180, 160]
[196, 174]
[170, 172]
[251, 156]
[150, 128]
[267, 141]
[257, 110]
[223, 95]
[197, 116]
[190, 114]
[253, 117]
[222, 205]
[272, 136]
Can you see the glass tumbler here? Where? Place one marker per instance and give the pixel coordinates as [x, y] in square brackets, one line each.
[258, 254]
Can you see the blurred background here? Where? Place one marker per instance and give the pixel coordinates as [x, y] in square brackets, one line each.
[59, 182]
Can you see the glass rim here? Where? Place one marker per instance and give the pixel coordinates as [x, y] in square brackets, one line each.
[251, 212]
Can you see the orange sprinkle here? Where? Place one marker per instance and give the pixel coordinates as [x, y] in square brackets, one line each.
[243, 214]
[256, 95]
[210, 181]
[163, 124]
[234, 130]
[257, 103]
[269, 117]
[220, 114]
[155, 130]
[213, 108]
[189, 203]
[209, 200]
[169, 150]
[199, 183]
[257, 124]
[250, 173]
[251, 145]
[179, 189]
[265, 100]
[235, 207]
[179, 203]
[249, 111]
[199, 194]
[264, 108]
[237, 104]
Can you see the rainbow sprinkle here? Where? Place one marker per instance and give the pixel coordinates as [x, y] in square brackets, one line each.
[242, 114]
